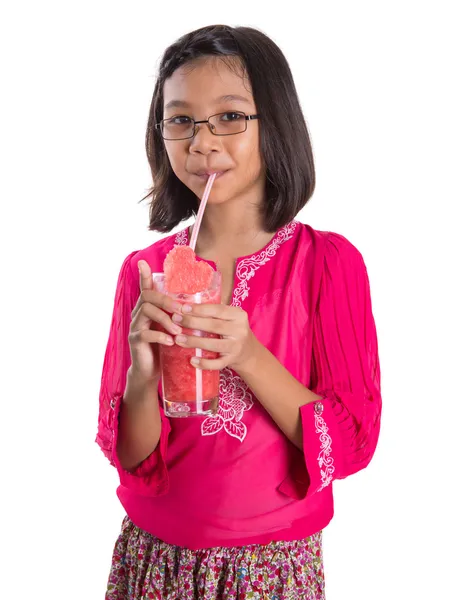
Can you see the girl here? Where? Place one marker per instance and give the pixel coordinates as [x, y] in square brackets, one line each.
[233, 506]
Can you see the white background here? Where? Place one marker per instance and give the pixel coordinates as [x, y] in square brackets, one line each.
[377, 82]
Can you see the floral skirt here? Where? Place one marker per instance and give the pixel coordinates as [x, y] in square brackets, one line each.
[145, 568]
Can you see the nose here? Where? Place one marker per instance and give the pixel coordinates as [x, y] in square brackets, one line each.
[204, 142]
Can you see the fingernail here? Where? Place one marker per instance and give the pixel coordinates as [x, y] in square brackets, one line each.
[195, 361]
[186, 308]
[169, 341]
[177, 318]
[181, 339]
[176, 329]
[176, 307]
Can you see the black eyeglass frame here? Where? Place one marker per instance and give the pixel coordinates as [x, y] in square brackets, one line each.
[159, 126]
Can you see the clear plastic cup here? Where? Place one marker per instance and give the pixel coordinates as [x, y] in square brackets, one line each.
[188, 391]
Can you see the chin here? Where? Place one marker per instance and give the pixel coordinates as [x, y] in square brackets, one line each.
[215, 198]
[217, 195]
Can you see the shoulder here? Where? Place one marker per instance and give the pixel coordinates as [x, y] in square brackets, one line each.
[335, 247]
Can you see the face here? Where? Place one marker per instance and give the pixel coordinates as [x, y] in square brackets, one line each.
[206, 88]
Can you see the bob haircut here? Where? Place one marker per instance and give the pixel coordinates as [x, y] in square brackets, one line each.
[285, 145]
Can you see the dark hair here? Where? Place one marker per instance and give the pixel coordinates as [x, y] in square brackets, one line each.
[284, 139]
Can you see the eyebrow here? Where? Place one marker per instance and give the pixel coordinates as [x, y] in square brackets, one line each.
[225, 98]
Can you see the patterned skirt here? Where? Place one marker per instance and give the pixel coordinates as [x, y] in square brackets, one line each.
[145, 568]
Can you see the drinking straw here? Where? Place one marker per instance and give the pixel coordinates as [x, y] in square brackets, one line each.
[200, 212]
[192, 243]
[199, 384]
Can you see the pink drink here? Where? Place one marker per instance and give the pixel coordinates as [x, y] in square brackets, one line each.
[188, 391]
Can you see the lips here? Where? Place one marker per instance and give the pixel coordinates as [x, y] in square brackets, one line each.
[206, 173]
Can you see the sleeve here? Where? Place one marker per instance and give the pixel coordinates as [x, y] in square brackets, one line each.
[150, 477]
[340, 431]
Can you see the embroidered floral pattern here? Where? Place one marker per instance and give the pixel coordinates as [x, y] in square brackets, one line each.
[234, 399]
[181, 238]
[248, 266]
[325, 460]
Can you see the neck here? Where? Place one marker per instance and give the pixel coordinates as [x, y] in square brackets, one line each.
[234, 228]
[228, 230]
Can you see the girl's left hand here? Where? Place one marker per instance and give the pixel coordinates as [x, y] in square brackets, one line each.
[237, 344]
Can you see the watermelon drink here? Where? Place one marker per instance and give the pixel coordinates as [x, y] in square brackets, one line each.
[188, 391]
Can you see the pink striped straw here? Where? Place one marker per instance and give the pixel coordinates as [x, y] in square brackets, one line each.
[200, 212]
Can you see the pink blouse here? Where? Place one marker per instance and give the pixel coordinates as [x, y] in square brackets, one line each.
[235, 479]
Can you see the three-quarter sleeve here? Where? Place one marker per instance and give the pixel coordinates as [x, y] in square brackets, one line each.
[340, 432]
[150, 477]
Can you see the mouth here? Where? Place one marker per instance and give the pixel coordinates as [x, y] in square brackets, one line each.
[204, 175]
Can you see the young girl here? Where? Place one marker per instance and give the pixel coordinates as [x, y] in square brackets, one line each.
[233, 506]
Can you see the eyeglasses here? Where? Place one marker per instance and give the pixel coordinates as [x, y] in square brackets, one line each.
[183, 128]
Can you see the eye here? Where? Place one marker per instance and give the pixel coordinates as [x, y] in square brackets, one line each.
[179, 120]
[231, 116]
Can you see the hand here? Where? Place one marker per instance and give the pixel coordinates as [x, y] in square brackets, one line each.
[237, 344]
[150, 325]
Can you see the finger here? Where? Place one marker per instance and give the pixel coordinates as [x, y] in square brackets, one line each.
[137, 307]
[147, 314]
[146, 281]
[204, 343]
[209, 325]
[154, 297]
[219, 311]
[150, 336]
[161, 300]
[209, 364]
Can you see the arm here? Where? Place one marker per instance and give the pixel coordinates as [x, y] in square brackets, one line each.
[340, 432]
[133, 431]
[139, 428]
[336, 423]
[281, 394]
[141, 439]
[117, 358]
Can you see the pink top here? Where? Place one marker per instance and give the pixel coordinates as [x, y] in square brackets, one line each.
[235, 479]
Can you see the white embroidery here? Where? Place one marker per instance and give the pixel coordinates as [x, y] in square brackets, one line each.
[234, 399]
[234, 395]
[181, 238]
[324, 458]
[248, 266]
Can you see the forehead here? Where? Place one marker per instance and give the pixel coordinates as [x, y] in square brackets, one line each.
[207, 82]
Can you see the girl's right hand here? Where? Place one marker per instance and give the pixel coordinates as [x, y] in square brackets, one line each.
[150, 326]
